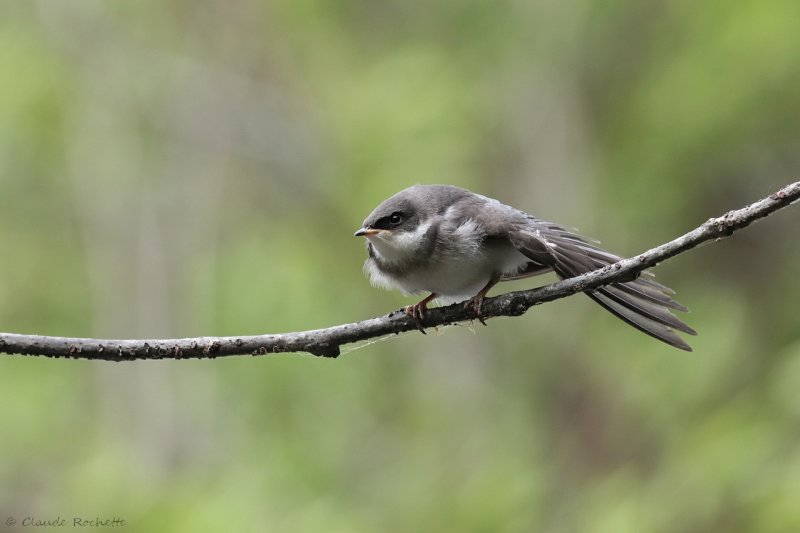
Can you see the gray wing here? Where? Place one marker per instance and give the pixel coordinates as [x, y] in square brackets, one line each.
[642, 303]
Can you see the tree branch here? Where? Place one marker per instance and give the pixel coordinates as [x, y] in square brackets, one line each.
[327, 342]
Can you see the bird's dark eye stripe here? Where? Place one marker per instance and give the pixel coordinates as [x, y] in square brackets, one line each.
[390, 221]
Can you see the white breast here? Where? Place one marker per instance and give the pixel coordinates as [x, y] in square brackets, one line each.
[456, 272]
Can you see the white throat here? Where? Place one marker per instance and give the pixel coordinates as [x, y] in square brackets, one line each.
[398, 247]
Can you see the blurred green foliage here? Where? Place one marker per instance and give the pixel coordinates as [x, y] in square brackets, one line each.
[184, 168]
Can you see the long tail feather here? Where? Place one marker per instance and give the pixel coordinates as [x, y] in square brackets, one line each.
[643, 303]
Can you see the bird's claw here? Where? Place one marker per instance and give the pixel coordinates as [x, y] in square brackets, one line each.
[417, 312]
[475, 304]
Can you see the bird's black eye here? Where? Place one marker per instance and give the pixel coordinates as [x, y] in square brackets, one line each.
[390, 221]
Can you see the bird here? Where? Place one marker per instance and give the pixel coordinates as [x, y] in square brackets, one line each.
[456, 245]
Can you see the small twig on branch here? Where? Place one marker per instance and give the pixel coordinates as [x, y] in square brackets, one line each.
[327, 342]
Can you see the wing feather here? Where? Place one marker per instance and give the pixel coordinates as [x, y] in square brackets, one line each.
[643, 303]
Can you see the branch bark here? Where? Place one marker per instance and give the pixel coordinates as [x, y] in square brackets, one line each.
[328, 341]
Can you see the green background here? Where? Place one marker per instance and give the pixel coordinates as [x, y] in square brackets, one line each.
[198, 168]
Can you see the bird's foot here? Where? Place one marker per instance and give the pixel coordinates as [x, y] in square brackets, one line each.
[475, 304]
[417, 312]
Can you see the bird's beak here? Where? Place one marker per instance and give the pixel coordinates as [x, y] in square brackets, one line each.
[366, 232]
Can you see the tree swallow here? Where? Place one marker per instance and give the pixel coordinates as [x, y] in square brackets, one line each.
[456, 245]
